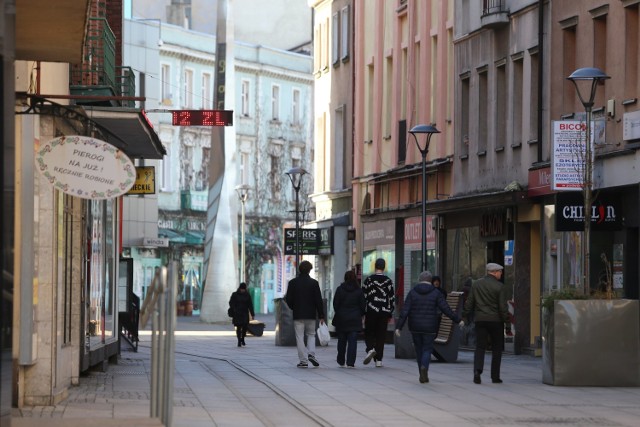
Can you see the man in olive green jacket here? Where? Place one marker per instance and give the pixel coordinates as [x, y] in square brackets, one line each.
[488, 303]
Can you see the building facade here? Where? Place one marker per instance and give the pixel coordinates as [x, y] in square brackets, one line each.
[68, 234]
[583, 35]
[273, 120]
[403, 60]
[333, 141]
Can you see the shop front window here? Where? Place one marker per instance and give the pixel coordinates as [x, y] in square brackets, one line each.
[563, 258]
[466, 257]
[101, 271]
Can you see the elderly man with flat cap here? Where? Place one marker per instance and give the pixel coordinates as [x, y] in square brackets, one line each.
[488, 303]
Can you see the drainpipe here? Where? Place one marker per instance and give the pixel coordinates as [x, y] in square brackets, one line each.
[540, 73]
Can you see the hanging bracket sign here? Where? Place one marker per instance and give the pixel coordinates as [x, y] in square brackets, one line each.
[86, 167]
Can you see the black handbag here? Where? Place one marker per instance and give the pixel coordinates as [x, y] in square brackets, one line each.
[230, 312]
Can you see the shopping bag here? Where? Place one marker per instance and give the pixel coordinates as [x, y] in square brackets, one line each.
[323, 334]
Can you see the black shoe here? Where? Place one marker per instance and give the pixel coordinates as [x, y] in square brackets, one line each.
[476, 379]
[242, 342]
[424, 375]
[314, 361]
[496, 380]
[239, 345]
[302, 365]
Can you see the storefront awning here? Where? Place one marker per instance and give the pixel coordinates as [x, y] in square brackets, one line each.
[194, 237]
[128, 129]
[172, 235]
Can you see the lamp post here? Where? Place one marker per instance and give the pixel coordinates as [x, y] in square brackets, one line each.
[243, 195]
[586, 81]
[295, 175]
[428, 131]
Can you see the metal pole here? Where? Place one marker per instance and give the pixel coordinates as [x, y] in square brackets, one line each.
[424, 209]
[242, 252]
[297, 230]
[588, 175]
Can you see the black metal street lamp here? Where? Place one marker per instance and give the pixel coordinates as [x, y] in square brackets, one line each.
[586, 81]
[295, 175]
[428, 131]
[243, 195]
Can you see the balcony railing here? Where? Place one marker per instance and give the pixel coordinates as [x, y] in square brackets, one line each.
[98, 75]
[126, 82]
[494, 13]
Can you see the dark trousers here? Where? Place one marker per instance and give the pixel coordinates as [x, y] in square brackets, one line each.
[423, 344]
[484, 332]
[347, 346]
[375, 333]
[241, 332]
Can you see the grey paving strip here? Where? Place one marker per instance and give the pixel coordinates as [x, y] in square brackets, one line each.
[252, 406]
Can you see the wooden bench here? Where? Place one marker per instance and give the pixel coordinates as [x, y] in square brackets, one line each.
[445, 346]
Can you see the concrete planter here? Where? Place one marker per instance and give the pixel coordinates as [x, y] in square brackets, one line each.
[591, 343]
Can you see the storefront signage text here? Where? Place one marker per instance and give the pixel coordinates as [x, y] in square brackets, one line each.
[312, 241]
[605, 213]
[493, 226]
[145, 181]
[85, 167]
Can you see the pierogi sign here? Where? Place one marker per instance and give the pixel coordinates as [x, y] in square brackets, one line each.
[86, 167]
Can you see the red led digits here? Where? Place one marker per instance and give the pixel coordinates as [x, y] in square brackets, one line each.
[202, 118]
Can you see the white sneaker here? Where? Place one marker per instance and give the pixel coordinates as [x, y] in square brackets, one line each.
[370, 355]
[378, 363]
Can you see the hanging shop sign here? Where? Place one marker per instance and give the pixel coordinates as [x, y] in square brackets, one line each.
[86, 167]
[313, 241]
[145, 181]
[606, 212]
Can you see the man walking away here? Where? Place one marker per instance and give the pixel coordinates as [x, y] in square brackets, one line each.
[380, 296]
[487, 302]
[422, 307]
[305, 300]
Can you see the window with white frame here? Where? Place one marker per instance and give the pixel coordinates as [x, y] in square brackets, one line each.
[187, 96]
[245, 89]
[344, 33]
[275, 102]
[295, 103]
[166, 170]
[244, 167]
[165, 84]
[205, 96]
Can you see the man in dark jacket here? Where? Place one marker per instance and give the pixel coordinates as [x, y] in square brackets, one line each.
[487, 302]
[380, 296]
[305, 300]
[422, 307]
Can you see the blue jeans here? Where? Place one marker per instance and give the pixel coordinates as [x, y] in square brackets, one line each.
[423, 344]
[347, 343]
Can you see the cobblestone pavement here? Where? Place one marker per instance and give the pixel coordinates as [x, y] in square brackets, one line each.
[219, 384]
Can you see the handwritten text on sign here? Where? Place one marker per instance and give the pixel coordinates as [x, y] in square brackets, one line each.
[86, 167]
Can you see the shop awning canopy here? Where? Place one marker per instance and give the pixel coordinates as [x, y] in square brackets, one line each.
[128, 129]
